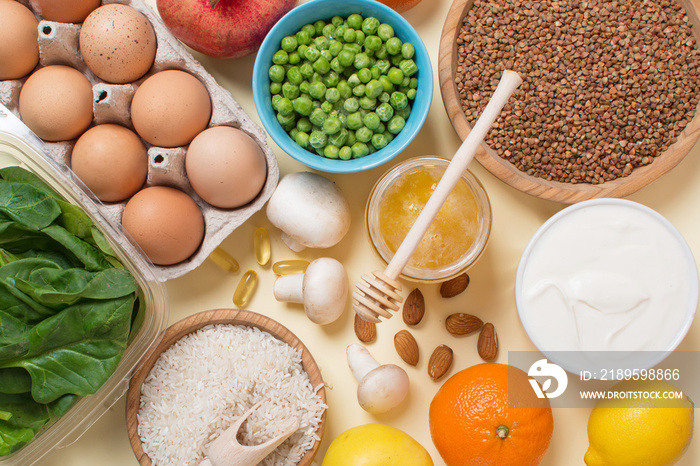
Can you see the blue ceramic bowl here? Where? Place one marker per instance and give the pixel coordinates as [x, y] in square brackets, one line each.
[324, 10]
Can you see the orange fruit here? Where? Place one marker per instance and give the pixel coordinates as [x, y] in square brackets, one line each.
[488, 414]
[400, 5]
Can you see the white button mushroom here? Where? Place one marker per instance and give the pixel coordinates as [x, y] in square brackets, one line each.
[310, 210]
[323, 289]
[381, 387]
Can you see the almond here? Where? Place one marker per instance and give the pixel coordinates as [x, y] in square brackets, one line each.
[440, 362]
[406, 346]
[364, 330]
[414, 308]
[455, 286]
[487, 346]
[463, 324]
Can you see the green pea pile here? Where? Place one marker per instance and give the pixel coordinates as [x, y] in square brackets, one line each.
[343, 89]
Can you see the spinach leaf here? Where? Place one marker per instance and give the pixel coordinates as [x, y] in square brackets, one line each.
[27, 205]
[90, 256]
[15, 380]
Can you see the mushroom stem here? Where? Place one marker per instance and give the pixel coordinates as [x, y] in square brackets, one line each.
[289, 288]
[360, 361]
[291, 243]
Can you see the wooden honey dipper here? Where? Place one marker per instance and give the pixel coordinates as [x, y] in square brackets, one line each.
[378, 293]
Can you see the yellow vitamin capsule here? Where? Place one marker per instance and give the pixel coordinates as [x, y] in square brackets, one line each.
[224, 260]
[245, 288]
[261, 242]
[290, 267]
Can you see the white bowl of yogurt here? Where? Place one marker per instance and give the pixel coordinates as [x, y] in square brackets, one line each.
[606, 282]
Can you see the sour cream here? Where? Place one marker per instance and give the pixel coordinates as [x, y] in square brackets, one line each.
[606, 275]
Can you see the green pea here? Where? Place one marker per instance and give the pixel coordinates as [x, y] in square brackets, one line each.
[346, 57]
[327, 107]
[332, 95]
[331, 151]
[396, 59]
[344, 89]
[376, 72]
[303, 105]
[304, 87]
[408, 67]
[306, 70]
[275, 88]
[318, 27]
[327, 55]
[290, 91]
[384, 111]
[368, 103]
[372, 42]
[302, 138]
[303, 124]
[289, 43]
[373, 89]
[317, 117]
[354, 121]
[284, 120]
[349, 35]
[345, 153]
[379, 141]
[364, 134]
[336, 66]
[318, 139]
[393, 46]
[294, 58]
[414, 83]
[381, 128]
[354, 48]
[359, 149]
[395, 75]
[280, 58]
[381, 54]
[371, 120]
[387, 85]
[340, 32]
[354, 80]
[294, 75]
[317, 89]
[351, 138]
[359, 90]
[328, 31]
[361, 60]
[408, 50]
[411, 94]
[332, 125]
[331, 79]
[340, 138]
[406, 82]
[284, 106]
[277, 97]
[355, 21]
[365, 75]
[351, 104]
[321, 42]
[309, 29]
[276, 73]
[396, 124]
[337, 20]
[384, 97]
[335, 47]
[322, 65]
[370, 25]
[303, 38]
[385, 32]
[404, 112]
[312, 53]
[398, 100]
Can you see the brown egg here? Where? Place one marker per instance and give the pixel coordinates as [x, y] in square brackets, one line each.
[118, 43]
[64, 11]
[170, 108]
[165, 222]
[19, 49]
[111, 160]
[56, 103]
[225, 166]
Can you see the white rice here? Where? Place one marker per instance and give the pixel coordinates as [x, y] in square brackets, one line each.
[206, 380]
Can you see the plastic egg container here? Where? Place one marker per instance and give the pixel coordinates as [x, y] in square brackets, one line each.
[59, 45]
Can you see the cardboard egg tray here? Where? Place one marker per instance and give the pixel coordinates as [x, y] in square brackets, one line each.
[59, 44]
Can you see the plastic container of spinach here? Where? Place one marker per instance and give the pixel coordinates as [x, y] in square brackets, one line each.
[117, 308]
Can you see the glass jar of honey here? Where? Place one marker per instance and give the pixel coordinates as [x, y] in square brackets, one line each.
[456, 237]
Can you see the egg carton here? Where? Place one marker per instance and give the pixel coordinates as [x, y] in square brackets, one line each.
[59, 44]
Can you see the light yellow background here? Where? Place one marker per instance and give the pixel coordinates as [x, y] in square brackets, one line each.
[516, 216]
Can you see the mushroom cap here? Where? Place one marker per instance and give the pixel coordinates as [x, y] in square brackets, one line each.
[310, 209]
[325, 290]
[382, 389]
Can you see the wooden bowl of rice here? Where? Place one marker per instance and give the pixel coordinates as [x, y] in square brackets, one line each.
[602, 111]
[209, 369]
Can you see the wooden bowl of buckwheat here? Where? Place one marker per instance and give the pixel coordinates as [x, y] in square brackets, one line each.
[609, 97]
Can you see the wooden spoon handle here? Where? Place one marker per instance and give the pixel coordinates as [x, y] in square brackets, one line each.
[510, 80]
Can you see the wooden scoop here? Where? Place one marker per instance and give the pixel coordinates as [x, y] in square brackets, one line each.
[377, 293]
[227, 451]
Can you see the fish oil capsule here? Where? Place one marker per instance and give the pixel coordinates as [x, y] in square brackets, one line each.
[261, 243]
[245, 288]
[224, 260]
[290, 267]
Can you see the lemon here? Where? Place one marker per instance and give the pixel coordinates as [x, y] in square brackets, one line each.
[376, 445]
[638, 429]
